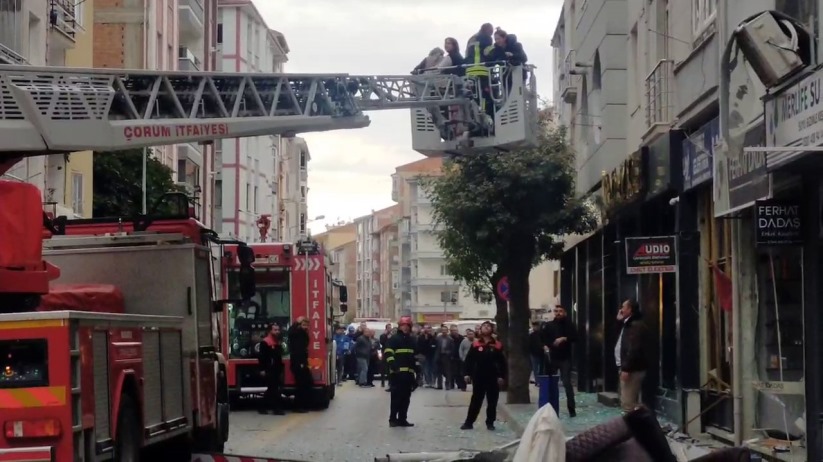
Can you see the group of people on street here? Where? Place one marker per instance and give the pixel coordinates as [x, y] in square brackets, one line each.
[483, 366]
[270, 357]
[550, 348]
[359, 354]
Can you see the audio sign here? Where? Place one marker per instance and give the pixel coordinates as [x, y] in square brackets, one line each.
[648, 255]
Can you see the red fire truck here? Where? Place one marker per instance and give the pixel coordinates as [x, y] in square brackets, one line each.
[108, 331]
[292, 281]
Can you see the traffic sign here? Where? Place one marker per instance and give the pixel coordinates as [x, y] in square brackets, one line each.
[503, 288]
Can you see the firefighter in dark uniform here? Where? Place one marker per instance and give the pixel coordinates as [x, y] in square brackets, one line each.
[486, 371]
[270, 357]
[402, 367]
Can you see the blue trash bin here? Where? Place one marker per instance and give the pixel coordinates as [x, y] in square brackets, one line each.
[549, 391]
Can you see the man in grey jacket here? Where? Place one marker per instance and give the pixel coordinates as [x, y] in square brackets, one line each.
[442, 357]
[362, 351]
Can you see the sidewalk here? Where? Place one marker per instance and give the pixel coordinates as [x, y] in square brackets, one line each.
[591, 413]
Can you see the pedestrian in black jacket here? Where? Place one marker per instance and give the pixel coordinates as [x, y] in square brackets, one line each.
[427, 347]
[270, 359]
[400, 358]
[537, 350]
[562, 333]
[486, 370]
[299, 364]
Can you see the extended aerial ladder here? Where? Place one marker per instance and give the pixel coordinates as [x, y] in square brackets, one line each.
[47, 110]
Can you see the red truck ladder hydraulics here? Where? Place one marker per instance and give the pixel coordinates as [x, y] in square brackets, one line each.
[77, 330]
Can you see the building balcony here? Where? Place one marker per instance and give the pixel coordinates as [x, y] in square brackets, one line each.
[192, 152]
[63, 22]
[433, 282]
[660, 88]
[436, 308]
[9, 56]
[422, 228]
[191, 18]
[427, 255]
[569, 79]
[186, 60]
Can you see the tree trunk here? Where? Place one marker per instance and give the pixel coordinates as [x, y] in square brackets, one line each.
[518, 339]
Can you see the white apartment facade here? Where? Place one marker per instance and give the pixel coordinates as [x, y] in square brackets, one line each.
[41, 34]
[368, 259]
[432, 293]
[247, 169]
[293, 170]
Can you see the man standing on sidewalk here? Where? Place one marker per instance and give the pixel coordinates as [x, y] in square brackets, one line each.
[562, 334]
[630, 354]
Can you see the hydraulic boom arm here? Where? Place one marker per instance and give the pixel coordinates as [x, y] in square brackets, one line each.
[52, 110]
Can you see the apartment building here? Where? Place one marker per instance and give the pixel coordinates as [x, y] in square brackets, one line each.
[293, 168]
[51, 33]
[387, 236]
[339, 243]
[369, 271]
[667, 160]
[247, 170]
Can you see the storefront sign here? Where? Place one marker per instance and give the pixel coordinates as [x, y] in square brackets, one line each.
[795, 118]
[778, 223]
[698, 154]
[646, 255]
[741, 178]
[625, 184]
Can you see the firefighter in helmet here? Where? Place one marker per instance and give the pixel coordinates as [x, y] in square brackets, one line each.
[399, 355]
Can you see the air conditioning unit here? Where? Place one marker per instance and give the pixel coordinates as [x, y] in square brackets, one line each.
[775, 48]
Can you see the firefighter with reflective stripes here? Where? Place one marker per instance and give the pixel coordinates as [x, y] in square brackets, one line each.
[401, 361]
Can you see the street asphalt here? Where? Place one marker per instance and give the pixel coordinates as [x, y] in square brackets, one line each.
[355, 428]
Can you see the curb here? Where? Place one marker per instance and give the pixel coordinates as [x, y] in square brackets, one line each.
[511, 422]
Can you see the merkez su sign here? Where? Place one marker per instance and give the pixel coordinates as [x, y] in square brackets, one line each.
[649, 255]
[778, 223]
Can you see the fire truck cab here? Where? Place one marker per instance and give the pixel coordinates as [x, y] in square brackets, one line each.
[120, 354]
[291, 281]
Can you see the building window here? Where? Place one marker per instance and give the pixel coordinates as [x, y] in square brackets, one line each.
[449, 296]
[303, 161]
[248, 197]
[77, 193]
[303, 192]
[444, 270]
[256, 204]
[219, 33]
[181, 170]
[218, 193]
[79, 12]
[704, 13]
[302, 223]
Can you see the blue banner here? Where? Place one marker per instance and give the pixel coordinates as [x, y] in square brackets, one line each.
[698, 154]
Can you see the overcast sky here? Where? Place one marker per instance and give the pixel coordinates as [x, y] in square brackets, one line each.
[349, 173]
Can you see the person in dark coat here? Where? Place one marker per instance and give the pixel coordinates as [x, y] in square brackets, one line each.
[562, 333]
[537, 351]
[486, 370]
[479, 45]
[457, 362]
[426, 346]
[630, 353]
[452, 62]
[299, 364]
[400, 356]
[270, 359]
[443, 355]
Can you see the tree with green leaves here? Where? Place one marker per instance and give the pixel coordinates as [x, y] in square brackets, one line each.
[502, 214]
[118, 182]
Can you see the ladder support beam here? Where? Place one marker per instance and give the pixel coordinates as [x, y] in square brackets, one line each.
[50, 110]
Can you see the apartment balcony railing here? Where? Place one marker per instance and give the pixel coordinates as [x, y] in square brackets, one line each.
[569, 80]
[422, 227]
[191, 17]
[660, 94]
[63, 19]
[426, 254]
[9, 56]
[433, 282]
[187, 61]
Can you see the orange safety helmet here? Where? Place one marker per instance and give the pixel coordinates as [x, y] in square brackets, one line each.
[405, 320]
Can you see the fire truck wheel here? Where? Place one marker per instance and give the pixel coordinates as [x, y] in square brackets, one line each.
[127, 443]
[322, 398]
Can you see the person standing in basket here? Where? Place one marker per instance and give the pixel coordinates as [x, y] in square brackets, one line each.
[400, 357]
[486, 370]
